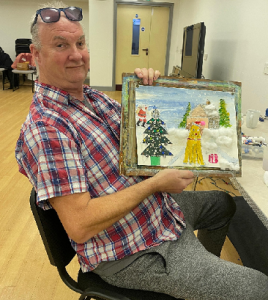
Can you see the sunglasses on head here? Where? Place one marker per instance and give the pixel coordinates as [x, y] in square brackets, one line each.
[50, 15]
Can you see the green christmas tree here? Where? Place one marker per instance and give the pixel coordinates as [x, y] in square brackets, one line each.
[224, 115]
[156, 139]
[184, 120]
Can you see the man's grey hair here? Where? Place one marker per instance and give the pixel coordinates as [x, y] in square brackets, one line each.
[34, 28]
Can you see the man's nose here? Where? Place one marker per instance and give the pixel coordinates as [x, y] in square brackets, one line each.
[75, 54]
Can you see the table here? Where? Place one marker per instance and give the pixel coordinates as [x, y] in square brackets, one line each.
[251, 184]
[23, 72]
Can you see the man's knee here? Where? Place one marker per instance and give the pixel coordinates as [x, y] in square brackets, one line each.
[227, 204]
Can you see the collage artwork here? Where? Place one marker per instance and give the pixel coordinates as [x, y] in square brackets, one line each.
[186, 127]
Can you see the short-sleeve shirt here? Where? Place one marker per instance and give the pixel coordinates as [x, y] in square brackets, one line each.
[65, 148]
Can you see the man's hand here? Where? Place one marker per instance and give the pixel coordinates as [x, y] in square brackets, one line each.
[172, 181]
[147, 75]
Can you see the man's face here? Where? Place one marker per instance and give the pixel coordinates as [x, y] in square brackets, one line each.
[63, 58]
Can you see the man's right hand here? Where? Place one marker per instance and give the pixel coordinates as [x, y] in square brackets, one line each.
[172, 181]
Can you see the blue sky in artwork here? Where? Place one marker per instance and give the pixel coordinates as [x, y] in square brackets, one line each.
[172, 102]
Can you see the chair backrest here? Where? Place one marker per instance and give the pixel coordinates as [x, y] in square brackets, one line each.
[60, 253]
[55, 239]
[22, 46]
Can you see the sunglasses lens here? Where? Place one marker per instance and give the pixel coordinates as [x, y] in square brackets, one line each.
[73, 13]
[50, 15]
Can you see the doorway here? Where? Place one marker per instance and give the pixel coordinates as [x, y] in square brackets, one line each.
[142, 32]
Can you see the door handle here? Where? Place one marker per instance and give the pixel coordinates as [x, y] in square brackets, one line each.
[147, 50]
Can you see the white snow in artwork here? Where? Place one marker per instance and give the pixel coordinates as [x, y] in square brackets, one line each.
[223, 137]
[224, 141]
[209, 145]
[211, 110]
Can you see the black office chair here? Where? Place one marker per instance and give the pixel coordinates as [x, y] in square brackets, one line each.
[22, 46]
[60, 253]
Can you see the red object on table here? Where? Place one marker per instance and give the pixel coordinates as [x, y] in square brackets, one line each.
[22, 58]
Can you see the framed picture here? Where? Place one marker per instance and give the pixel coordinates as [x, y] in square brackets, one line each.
[180, 123]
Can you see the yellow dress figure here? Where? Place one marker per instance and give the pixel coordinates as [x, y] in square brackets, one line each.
[193, 151]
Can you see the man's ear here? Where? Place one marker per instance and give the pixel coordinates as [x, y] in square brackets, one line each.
[35, 53]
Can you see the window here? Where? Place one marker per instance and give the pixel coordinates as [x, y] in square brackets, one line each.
[136, 37]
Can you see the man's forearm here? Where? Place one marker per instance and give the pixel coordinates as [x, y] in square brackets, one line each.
[86, 217]
[83, 217]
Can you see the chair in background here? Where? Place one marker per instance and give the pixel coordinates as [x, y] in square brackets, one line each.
[60, 253]
[22, 46]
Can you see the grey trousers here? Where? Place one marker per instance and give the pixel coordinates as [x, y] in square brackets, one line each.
[190, 268]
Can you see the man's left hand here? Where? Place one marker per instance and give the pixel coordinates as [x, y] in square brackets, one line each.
[148, 76]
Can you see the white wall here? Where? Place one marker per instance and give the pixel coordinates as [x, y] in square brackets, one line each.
[16, 16]
[236, 43]
[101, 17]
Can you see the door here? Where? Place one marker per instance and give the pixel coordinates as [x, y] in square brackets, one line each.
[142, 33]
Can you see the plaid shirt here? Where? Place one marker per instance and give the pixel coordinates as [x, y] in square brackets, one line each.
[65, 148]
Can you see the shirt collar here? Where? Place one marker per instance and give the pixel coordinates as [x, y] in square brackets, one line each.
[54, 93]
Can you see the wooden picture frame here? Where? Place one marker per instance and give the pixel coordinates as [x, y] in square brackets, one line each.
[128, 163]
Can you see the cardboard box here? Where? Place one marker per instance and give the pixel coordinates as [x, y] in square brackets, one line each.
[23, 66]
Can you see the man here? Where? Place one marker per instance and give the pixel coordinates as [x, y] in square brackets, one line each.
[6, 62]
[129, 230]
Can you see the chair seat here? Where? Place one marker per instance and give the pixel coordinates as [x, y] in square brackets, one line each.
[24, 72]
[90, 279]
